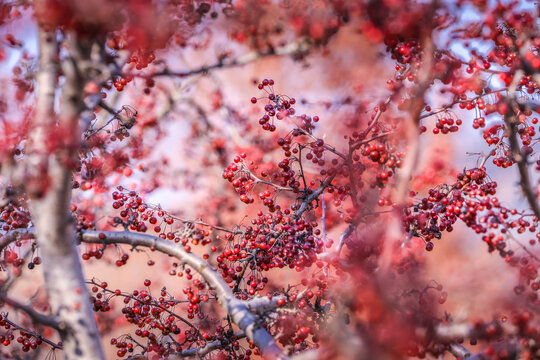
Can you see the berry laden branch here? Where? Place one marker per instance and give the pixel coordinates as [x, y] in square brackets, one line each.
[520, 157]
[242, 313]
[28, 334]
[237, 309]
[425, 77]
[281, 281]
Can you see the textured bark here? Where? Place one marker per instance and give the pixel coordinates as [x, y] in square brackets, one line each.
[50, 210]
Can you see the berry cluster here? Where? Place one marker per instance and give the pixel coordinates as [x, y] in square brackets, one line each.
[471, 200]
[447, 125]
[404, 52]
[121, 82]
[26, 340]
[158, 317]
[479, 122]
[274, 240]
[14, 217]
[136, 215]
[278, 106]
[528, 84]
[295, 331]
[438, 212]
[381, 154]
[238, 175]
[493, 134]
[150, 315]
[142, 59]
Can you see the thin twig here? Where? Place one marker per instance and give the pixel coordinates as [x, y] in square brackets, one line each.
[33, 333]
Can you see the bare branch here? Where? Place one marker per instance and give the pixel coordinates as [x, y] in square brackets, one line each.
[326, 146]
[334, 259]
[14, 235]
[343, 237]
[198, 222]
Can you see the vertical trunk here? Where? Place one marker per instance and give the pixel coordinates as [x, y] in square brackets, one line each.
[50, 209]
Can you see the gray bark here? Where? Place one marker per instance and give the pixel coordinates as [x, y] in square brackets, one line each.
[55, 231]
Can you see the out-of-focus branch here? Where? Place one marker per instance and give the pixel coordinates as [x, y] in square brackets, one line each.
[450, 332]
[511, 122]
[380, 110]
[237, 309]
[36, 317]
[417, 103]
[296, 49]
[12, 236]
[334, 259]
[405, 172]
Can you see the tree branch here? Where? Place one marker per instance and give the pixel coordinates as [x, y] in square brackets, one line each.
[12, 236]
[30, 332]
[413, 143]
[510, 120]
[211, 346]
[306, 203]
[297, 49]
[237, 309]
[36, 317]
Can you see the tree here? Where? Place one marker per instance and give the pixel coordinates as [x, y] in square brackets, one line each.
[92, 118]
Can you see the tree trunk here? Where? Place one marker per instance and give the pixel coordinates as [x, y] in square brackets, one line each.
[49, 167]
